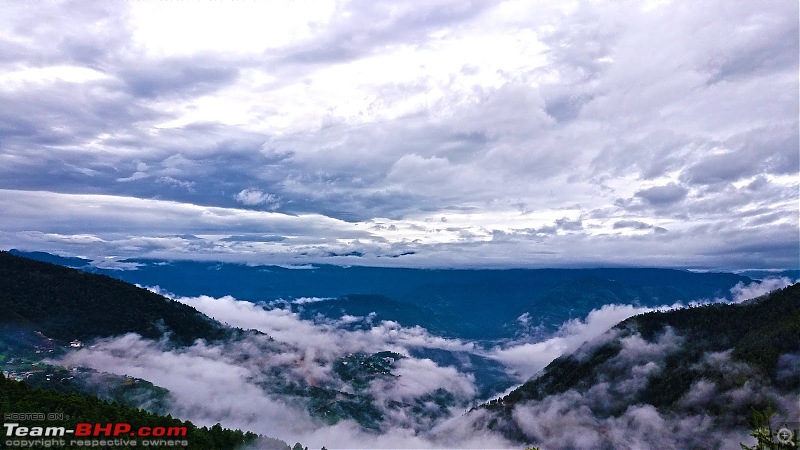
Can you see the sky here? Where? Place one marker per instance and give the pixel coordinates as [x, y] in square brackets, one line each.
[403, 133]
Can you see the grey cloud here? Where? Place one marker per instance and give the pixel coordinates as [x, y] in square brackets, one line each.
[631, 224]
[766, 219]
[202, 164]
[773, 148]
[775, 51]
[362, 27]
[784, 246]
[760, 150]
[654, 154]
[758, 183]
[663, 195]
[361, 175]
[186, 77]
[254, 238]
[565, 107]
[607, 102]
[53, 38]
[67, 114]
[513, 110]
[569, 225]
[60, 131]
[577, 52]
[11, 51]
[726, 167]
[155, 216]
[637, 225]
[718, 247]
[190, 237]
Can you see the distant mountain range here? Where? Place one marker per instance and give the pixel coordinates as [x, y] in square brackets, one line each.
[471, 304]
[46, 308]
[683, 378]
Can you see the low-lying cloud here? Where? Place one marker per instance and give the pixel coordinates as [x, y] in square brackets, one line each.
[252, 382]
[241, 383]
[531, 357]
[608, 413]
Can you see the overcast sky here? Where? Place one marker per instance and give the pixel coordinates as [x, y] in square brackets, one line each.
[435, 133]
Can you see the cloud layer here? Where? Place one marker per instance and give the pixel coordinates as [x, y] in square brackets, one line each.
[251, 382]
[440, 134]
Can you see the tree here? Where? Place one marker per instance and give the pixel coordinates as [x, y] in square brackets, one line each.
[763, 432]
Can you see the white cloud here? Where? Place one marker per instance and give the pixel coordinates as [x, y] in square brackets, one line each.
[243, 379]
[742, 292]
[364, 112]
[608, 413]
[531, 357]
[238, 383]
[254, 197]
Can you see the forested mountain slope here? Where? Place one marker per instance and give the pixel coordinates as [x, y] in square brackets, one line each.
[699, 372]
[66, 304]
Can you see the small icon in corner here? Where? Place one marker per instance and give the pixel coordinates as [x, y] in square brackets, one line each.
[785, 436]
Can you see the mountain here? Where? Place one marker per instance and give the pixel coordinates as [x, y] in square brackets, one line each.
[762, 274]
[488, 304]
[66, 304]
[372, 308]
[71, 409]
[714, 364]
[686, 378]
[67, 261]
[477, 304]
[45, 306]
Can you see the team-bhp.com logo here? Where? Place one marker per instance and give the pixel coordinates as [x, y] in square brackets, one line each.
[86, 435]
[94, 430]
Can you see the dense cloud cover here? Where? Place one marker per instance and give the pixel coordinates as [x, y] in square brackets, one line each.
[585, 419]
[241, 383]
[410, 133]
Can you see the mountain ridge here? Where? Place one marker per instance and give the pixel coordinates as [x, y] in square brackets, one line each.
[486, 304]
[68, 304]
[720, 361]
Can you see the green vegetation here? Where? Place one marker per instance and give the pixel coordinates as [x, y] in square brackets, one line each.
[18, 397]
[122, 389]
[43, 307]
[464, 303]
[332, 405]
[766, 435]
[756, 333]
[66, 304]
[359, 369]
